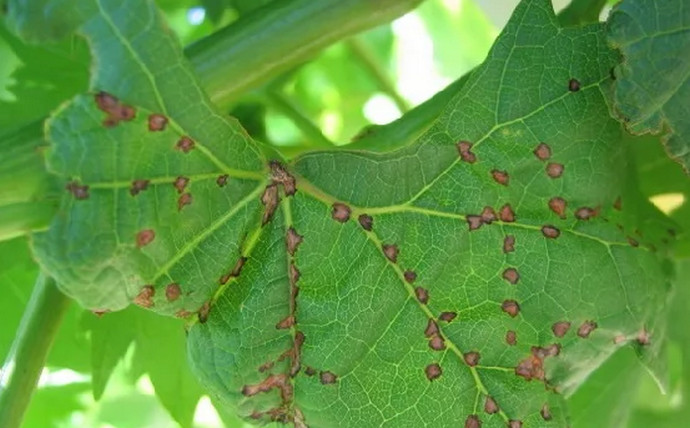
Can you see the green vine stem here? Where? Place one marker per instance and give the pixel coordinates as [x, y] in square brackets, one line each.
[312, 134]
[27, 357]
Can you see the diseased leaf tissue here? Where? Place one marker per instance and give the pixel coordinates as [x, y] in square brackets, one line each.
[476, 275]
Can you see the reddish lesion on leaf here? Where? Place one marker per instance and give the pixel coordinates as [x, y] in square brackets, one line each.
[79, 191]
[116, 111]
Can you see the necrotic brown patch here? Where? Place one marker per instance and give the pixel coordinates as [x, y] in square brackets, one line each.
[447, 316]
[554, 170]
[310, 371]
[511, 337]
[585, 213]
[145, 297]
[422, 295]
[204, 311]
[490, 405]
[183, 313]
[550, 231]
[172, 292]
[410, 276]
[643, 337]
[464, 149]
[542, 152]
[180, 183]
[431, 328]
[436, 343]
[293, 239]
[509, 244]
[328, 377]
[618, 204]
[558, 206]
[366, 221]
[511, 275]
[506, 214]
[184, 200]
[340, 212]
[473, 421]
[115, 110]
[633, 242]
[78, 191]
[586, 329]
[488, 215]
[157, 122]
[514, 424]
[560, 328]
[185, 144]
[474, 221]
[270, 200]
[545, 412]
[574, 85]
[286, 323]
[391, 252]
[511, 307]
[145, 237]
[222, 180]
[433, 371]
[500, 177]
[138, 186]
[471, 358]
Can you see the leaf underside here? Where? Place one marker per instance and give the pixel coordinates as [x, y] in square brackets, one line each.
[479, 273]
[653, 81]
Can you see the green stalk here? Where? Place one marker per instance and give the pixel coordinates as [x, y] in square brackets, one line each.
[279, 36]
[313, 135]
[27, 357]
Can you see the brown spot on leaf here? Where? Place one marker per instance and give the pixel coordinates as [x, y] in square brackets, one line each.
[183, 313]
[585, 213]
[185, 144]
[294, 274]
[286, 322]
[184, 200]
[619, 339]
[268, 365]
[545, 412]
[293, 239]
[511, 338]
[157, 122]
[500, 177]
[509, 244]
[511, 307]
[410, 276]
[447, 316]
[530, 368]
[464, 148]
[180, 183]
[514, 424]
[278, 381]
[145, 297]
[222, 180]
[474, 221]
[490, 405]
[473, 421]
[145, 237]
[554, 170]
[511, 275]
[471, 358]
[340, 212]
[643, 338]
[422, 295]
[437, 343]
[79, 192]
[310, 371]
[633, 242]
[552, 350]
[270, 200]
[560, 328]
[586, 329]
[573, 86]
[328, 377]
[280, 175]
[204, 311]
[172, 292]
[391, 252]
[542, 152]
[431, 328]
[551, 232]
[115, 110]
[138, 186]
[506, 214]
[558, 205]
[618, 204]
[488, 215]
[433, 371]
[366, 221]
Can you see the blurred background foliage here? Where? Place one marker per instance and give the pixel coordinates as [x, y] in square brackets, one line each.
[128, 369]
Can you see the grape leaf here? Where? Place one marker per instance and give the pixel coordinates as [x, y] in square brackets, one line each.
[448, 279]
[653, 81]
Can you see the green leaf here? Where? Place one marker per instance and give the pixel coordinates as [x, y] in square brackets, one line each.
[380, 246]
[653, 81]
[159, 345]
